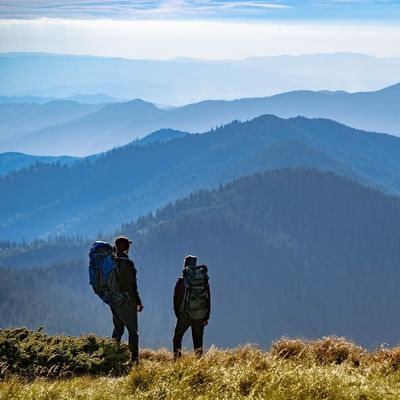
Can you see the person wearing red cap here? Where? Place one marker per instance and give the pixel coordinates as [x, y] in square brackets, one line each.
[125, 314]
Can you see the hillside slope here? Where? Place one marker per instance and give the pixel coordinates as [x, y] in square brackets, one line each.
[18, 121]
[10, 162]
[292, 369]
[139, 179]
[290, 252]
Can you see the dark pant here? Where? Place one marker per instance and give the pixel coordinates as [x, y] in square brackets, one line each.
[182, 325]
[125, 315]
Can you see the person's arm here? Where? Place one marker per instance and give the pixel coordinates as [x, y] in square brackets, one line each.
[136, 297]
[179, 293]
[209, 301]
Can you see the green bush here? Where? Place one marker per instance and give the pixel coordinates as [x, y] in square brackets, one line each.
[33, 354]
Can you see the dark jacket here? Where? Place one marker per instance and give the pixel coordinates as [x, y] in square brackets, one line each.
[127, 278]
[179, 295]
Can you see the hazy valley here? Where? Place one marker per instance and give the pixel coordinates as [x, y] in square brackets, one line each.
[291, 200]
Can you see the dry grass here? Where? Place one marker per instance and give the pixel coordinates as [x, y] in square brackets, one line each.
[329, 368]
[327, 350]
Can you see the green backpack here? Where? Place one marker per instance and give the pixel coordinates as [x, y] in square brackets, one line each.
[196, 303]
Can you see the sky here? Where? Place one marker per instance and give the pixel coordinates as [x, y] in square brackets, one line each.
[209, 29]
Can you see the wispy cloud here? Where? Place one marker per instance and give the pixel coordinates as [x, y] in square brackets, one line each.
[196, 39]
[248, 4]
[202, 9]
[131, 8]
[200, 28]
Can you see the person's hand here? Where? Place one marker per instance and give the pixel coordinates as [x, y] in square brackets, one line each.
[205, 322]
[140, 307]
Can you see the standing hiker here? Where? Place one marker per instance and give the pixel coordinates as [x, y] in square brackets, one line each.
[113, 277]
[126, 313]
[191, 305]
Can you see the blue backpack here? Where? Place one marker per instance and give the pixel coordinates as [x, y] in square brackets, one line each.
[103, 273]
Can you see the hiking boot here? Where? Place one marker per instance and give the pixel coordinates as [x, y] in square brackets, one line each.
[177, 354]
[198, 352]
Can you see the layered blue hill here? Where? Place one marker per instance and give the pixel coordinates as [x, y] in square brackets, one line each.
[10, 162]
[18, 121]
[70, 128]
[100, 193]
[182, 81]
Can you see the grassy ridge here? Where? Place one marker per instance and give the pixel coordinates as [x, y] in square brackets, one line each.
[330, 368]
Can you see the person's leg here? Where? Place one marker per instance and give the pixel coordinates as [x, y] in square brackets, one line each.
[132, 326]
[182, 325]
[127, 314]
[197, 335]
[118, 329]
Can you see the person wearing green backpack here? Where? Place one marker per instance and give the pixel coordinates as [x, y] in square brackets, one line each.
[192, 305]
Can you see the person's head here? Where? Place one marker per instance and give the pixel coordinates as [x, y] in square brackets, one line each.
[190, 261]
[122, 244]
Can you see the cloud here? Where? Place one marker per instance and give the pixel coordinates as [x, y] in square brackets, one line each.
[155, 39]
[203, 9]
[248, 4]
[131, 8]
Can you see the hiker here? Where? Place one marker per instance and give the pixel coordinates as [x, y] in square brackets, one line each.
[191, 305]
[125, 314]
[113, 277]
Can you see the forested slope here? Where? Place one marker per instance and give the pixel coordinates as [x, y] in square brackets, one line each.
[294, 251]
[100, 193]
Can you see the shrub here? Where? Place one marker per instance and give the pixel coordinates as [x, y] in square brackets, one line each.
[33, 353]
[288, 348]
[336, 350]
[387, 358]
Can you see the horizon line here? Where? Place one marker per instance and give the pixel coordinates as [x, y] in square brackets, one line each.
[199, 59]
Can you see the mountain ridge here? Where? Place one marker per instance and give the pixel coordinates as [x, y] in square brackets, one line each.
[116, 124]
[162, 172]
[12, 162]
[162, 81]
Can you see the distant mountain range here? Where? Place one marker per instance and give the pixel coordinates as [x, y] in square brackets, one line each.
[25, 99]
[296, 214]
[10, 162]
[290, 252]
[98, 98]
[99, 193]
[68, 128]
[20, 120]
[182, 81]
[85, 99]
